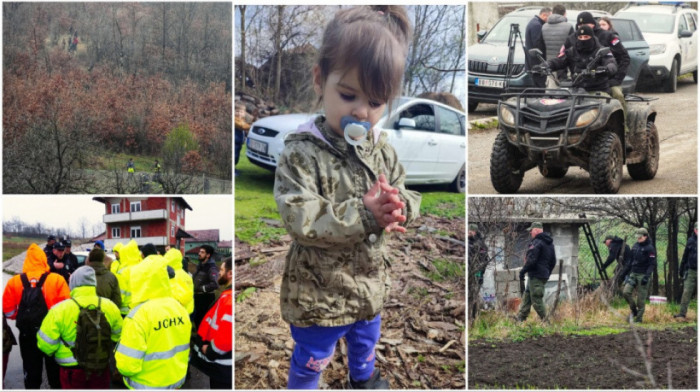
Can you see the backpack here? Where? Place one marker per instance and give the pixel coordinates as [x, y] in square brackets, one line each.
[32, 307]
[93, 341]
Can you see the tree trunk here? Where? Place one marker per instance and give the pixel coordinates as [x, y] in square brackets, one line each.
[243, 66]
[278, 51]
[672, 281]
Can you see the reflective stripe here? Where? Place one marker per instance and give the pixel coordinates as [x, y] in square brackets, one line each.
[135, 385]
[47, 339]
[130, 352]
[134, 310]
[67, 360]
[124, 292]
[224, 362]
[167, 354]
[227, 317]
[216, 349]
[10, 314]
[69, 344]
[212, 323]
[116, 331]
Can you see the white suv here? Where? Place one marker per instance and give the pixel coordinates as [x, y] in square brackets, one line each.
[671, 31]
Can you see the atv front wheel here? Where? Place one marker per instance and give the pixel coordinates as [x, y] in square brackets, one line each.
[506, 175]
[646, 170]
[606, 163]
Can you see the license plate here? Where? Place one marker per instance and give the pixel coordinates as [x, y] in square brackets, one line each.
[489, 83]
[257, 146]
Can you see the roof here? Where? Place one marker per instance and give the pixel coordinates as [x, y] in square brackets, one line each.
[225, 244]
[205, 235]
[100, 237]
[182, 234]
[655, 8]
[181, 200]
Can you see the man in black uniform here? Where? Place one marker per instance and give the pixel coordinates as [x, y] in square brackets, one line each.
[539, 263]
[580, 55]
[478, 260]
[617, 251]
[205, 281]
[57, 261]
[638, 273]
[689, 271]
[48, 249]
[71, 258]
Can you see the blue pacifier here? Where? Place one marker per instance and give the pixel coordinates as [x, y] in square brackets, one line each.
[355, 131]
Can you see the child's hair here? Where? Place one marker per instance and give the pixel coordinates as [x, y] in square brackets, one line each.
[240, 105]
[375, 40]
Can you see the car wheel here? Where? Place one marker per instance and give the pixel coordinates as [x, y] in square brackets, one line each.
[553, 171]
[695, 76]
[606, 162]
[460, 182]
[672, 82]
[471, 106]
[506, 176]
[646, 170]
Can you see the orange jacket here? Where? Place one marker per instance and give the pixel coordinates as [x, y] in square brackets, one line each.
[216, 329]
[55, 287]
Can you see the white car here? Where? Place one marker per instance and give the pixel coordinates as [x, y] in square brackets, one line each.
[83, 255]
[429, 139]
[671, 31]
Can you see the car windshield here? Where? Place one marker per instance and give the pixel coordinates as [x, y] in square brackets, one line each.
[501, 31]
[651, 23]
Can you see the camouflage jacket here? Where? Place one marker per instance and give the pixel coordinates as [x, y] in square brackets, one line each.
[337, 270]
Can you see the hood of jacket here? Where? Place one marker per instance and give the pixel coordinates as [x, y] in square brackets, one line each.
[129, 255]
[99, 267]
[35, 261]
[544, 236]
[149, 280]
[174, 258]
[317, 132]
[556, 19]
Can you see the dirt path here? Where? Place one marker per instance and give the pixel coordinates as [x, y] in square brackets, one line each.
[423, 339]
[677, 125]
[584, 362]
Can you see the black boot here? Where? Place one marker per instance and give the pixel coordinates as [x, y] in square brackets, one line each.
[374, 382]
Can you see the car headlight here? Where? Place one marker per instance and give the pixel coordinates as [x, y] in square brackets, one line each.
[507, 116]
[586, 117]
[657, 48]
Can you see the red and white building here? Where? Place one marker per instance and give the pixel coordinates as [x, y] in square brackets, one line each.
[156, 220]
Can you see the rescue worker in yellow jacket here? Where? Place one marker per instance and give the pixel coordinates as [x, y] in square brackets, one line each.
[129, 256]
[114, 267]
[154, 349]
[181, 284]
[58, 331]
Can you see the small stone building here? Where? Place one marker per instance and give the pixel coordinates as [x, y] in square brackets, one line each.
[508, 243]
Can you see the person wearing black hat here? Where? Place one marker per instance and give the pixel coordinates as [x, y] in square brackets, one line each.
[205, 281]
[617, 250]
[533, 39]
[638, 273]
[540, 260]
[478, 260]
[611, 40]
[71, 258]
[580, 55]
[689, 272]
[50, 240]
[57, 261]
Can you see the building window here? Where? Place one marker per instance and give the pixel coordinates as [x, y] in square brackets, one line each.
[135, 206]
[115, 208]
[172, 231]
[116, 232]
[172, 207]
[135, 231]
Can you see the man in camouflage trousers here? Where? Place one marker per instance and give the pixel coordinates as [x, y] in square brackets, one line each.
[539, 263]
[637, 274]
[689, 271]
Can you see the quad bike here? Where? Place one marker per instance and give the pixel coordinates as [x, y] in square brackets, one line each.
[553, 129]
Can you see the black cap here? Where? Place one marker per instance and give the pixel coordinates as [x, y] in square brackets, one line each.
[585, 18]
[51, 237]
[59, 245]
[149, 249]
[67, 243]
[584, 30]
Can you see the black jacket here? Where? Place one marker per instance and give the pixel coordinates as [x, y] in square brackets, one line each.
[643, 259]
[611, 40]
[206, 277]
[533, 39]
[577, 61]
[65, 271]
[616, 245]
[690, 254]
[540, 259]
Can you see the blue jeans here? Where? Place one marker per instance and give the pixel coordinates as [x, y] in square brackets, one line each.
[314, 347]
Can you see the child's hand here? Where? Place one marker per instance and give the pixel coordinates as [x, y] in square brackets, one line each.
[383, 201]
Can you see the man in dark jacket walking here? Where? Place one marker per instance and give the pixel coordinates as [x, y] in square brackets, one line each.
[617, 251]
[554, 34]
[638, 273]
[533, 39]
[539, 263]
[689, 271]
[478, 260]
[205, 281]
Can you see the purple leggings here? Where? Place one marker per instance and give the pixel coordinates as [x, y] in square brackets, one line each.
[314, 347]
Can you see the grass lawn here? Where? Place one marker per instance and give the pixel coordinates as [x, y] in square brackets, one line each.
[254, 201]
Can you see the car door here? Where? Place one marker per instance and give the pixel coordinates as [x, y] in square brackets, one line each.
[452, 143]
[690, 49]
[638, 49]
[686, 43]
[415, 146]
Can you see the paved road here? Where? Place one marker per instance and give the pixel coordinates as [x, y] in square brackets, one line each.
[677, 125]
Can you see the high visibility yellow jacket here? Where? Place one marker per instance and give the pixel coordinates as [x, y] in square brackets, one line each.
[154, 349]
[58, 330]
[114, 267]
[181, 286]
[129, 256]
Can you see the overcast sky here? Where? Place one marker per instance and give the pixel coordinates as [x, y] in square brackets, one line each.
[208, 212]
